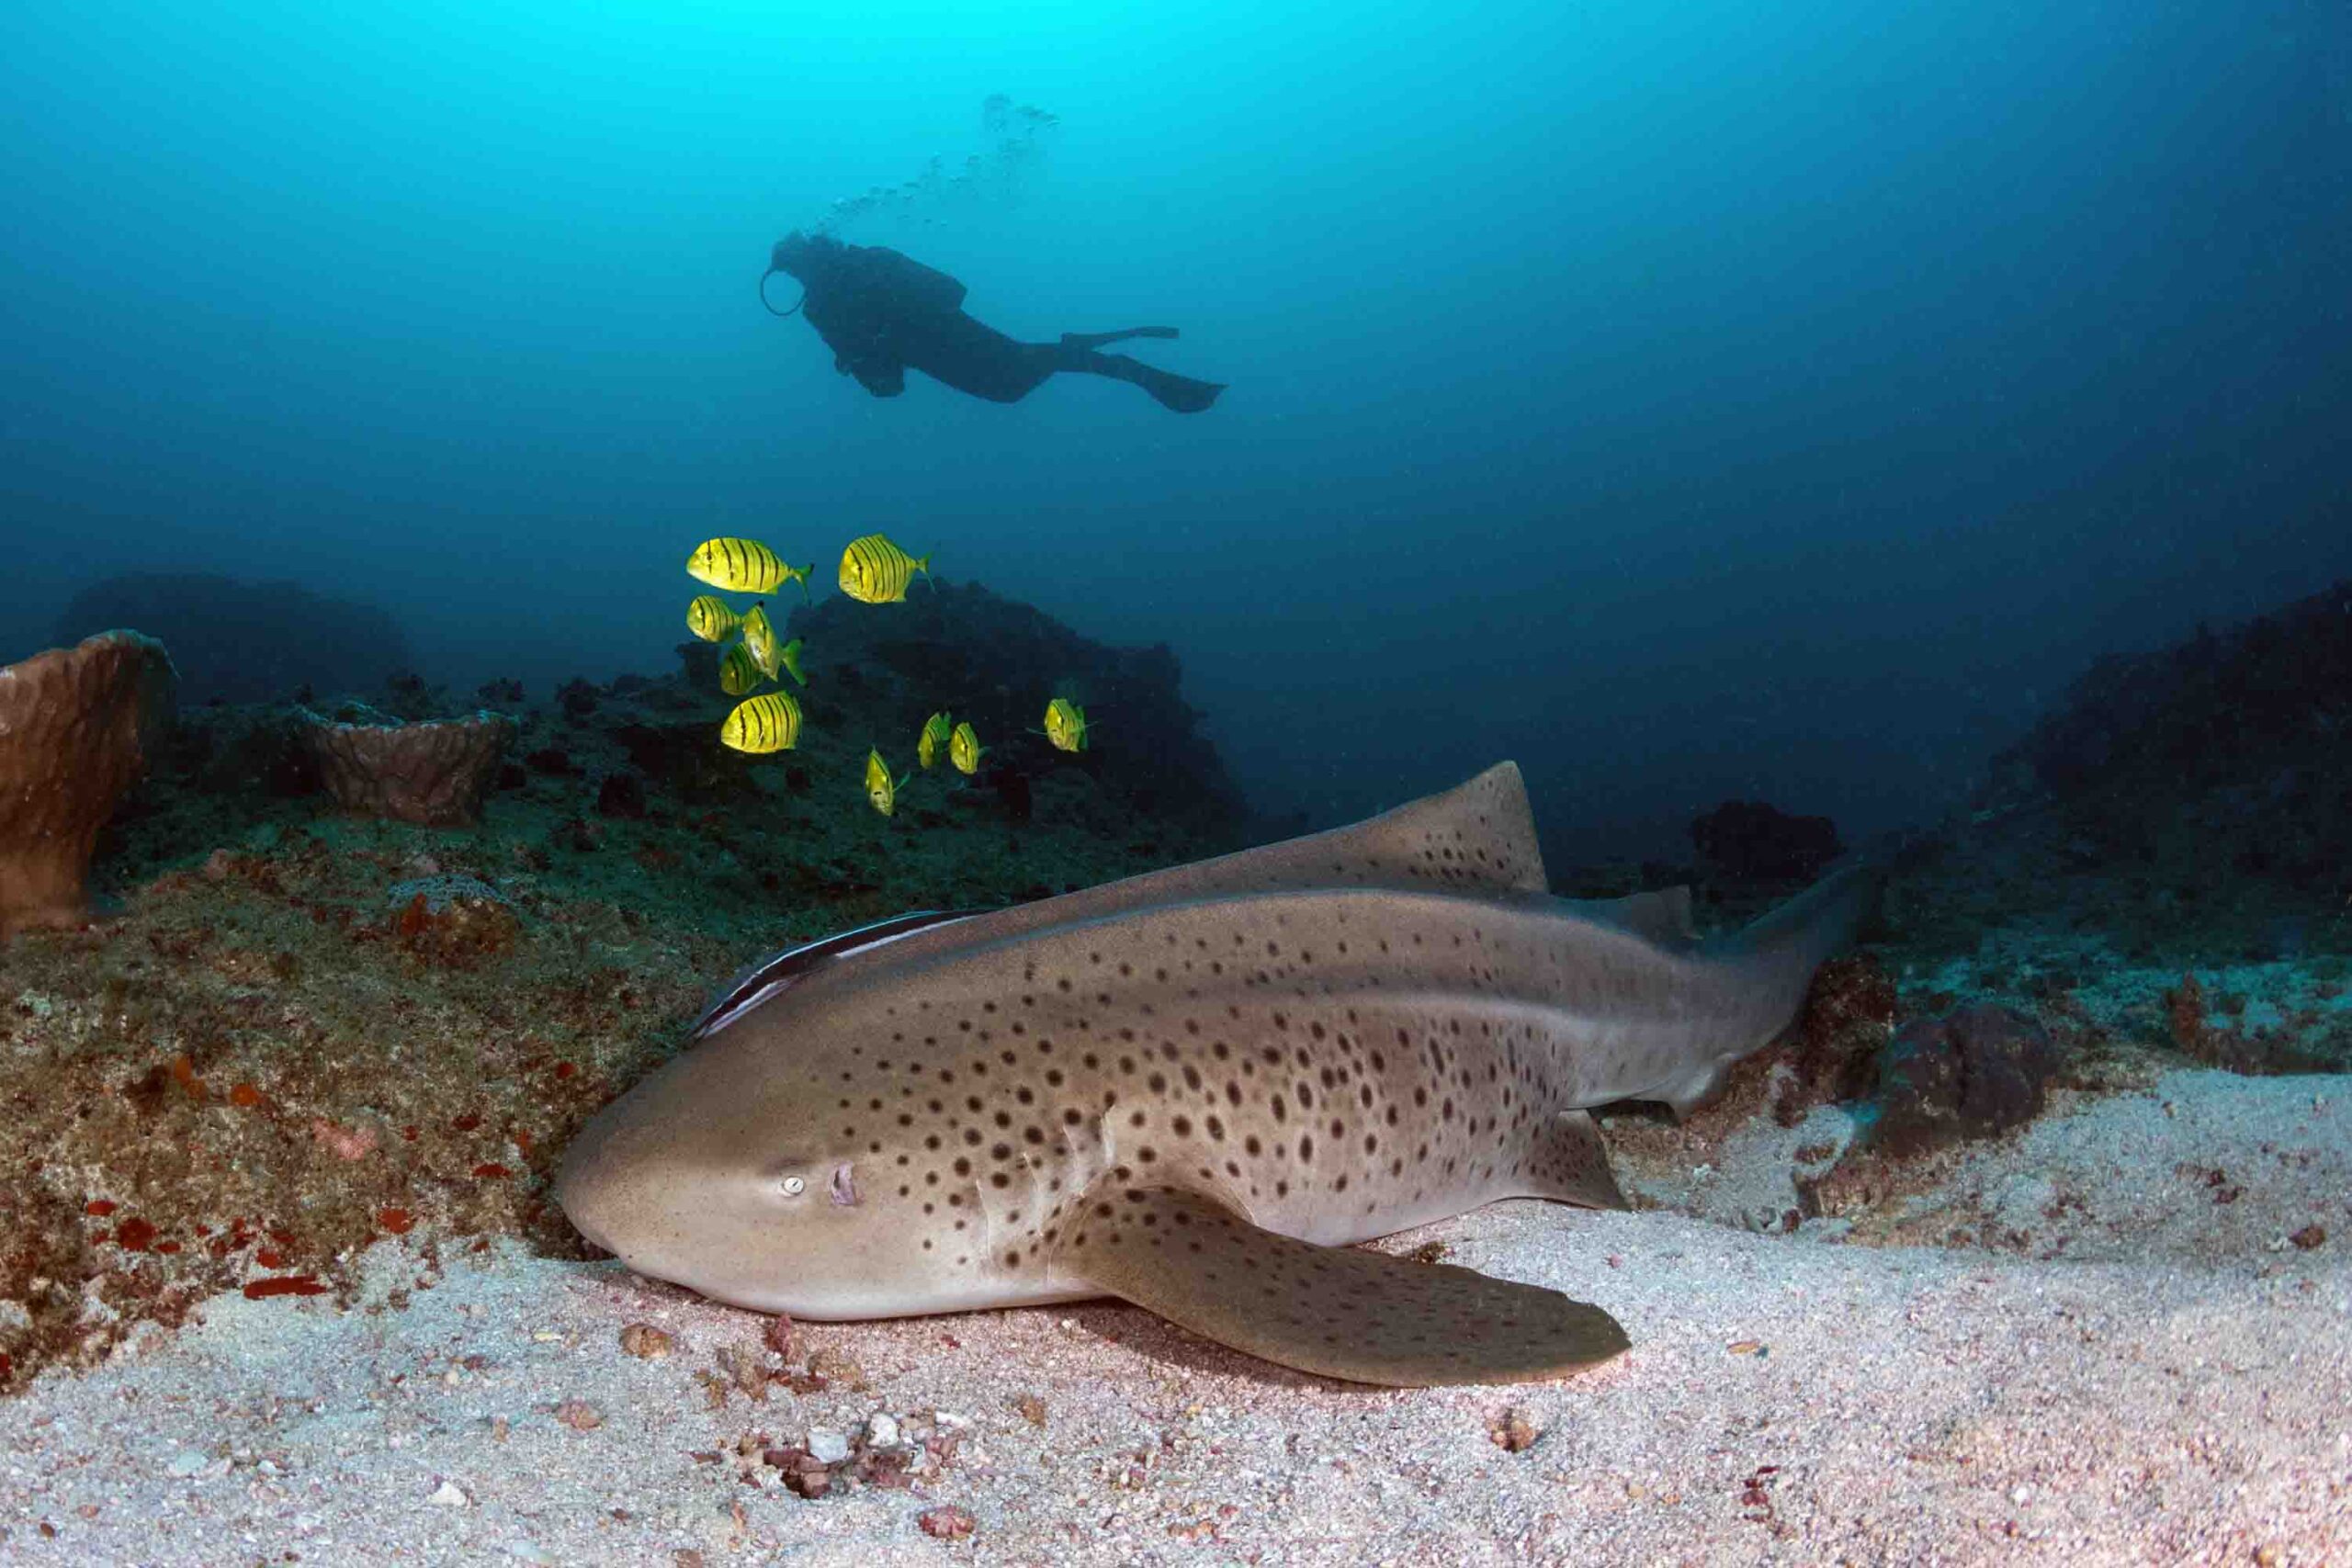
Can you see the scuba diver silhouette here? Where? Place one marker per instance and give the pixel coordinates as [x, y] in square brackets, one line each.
[881, 312]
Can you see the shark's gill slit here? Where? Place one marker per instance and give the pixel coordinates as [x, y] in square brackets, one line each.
[843, 1188]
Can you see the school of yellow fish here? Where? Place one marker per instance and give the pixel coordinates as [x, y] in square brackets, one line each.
[874, 571]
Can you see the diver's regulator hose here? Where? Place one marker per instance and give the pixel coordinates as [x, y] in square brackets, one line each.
[764, 295]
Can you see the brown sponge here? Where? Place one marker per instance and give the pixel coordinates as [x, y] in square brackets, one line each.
[77, 727]
[434, 774]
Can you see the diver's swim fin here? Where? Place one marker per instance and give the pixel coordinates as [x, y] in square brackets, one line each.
[1178, 392]
[1097, 340]
[1173, 391]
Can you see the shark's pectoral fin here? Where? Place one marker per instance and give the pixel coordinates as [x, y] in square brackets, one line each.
[1570, 1165]
[1337, 1311]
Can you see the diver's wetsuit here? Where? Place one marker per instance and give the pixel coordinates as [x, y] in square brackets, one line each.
[881, 313]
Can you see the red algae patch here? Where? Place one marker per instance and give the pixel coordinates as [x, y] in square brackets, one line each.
[283, 1285]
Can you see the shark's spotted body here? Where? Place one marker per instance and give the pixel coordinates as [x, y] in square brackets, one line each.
[1192, 1088]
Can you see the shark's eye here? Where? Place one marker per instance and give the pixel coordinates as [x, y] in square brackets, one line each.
[794, 1187]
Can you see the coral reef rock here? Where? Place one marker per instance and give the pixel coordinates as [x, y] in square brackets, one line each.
[996, 662]
[245, 642]
[435, 774]
[1972, 1074]
[78, 725]
[1747, 841]
[2189, 805]
[2222, 757]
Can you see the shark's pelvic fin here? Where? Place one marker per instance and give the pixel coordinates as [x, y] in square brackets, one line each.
[1572, 1166]
[1696, 1088]
[1338, 1311]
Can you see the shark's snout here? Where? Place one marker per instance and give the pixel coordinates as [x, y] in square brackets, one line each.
[592, 1186]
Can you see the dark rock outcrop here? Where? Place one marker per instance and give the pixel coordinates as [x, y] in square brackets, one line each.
[245, 642]
[1749, 840]
[1975, 1073]
[996, 662]
[2226, 756]
[621, 794]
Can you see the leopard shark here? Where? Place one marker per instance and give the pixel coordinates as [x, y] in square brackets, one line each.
[1196, 1089]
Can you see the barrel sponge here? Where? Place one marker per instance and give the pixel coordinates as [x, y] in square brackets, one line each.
[78, 727]
[435, 774]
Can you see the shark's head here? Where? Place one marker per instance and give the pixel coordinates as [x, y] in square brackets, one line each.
[760, 1190]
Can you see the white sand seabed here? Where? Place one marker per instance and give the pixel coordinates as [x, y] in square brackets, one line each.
[2187, 1403]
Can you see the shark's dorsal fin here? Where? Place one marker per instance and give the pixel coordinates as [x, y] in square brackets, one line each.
[1477, 837]
[1344, 1312]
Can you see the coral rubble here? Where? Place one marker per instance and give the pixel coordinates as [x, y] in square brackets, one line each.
[78, 725]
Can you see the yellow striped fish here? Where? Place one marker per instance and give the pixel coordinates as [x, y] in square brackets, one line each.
[708, 618]
[744, 566]
[875, 571]
[880, 787]
[759, 636]
[738, 675]
[935, 737]
[964, 750]
[1066, 724]
[789, 656]
[770, 723]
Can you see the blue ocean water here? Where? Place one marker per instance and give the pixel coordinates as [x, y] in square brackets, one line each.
[1689, 401]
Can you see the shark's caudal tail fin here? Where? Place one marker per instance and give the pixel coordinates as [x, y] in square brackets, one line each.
[1817, 922]
[1777, 954]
